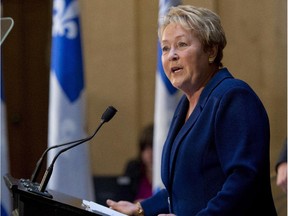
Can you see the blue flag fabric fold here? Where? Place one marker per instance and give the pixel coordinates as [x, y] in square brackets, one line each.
[66, 53]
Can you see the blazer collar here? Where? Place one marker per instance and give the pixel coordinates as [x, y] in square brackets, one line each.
[221, 75]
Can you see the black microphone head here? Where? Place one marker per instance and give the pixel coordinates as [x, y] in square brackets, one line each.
[108, 114]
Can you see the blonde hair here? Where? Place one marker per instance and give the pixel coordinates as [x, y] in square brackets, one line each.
[205, 23]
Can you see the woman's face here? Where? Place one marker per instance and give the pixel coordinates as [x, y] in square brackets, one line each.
[147, 156]
[184, 61]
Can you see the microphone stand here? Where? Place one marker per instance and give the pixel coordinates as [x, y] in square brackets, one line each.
[106, 116]
[40, 161]
[49, 170]
[34, 187]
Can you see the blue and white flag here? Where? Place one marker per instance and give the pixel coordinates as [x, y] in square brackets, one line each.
[72, 170]
[5, 197]
[166, 100]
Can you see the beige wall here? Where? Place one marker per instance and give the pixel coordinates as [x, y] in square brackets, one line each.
[120, 57]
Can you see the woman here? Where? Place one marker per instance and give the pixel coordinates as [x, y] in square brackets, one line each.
[215, 160]
[140, 169]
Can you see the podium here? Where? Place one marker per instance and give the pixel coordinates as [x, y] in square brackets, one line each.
[28, 203]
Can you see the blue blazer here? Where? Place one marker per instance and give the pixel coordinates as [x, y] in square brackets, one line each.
[217, 162]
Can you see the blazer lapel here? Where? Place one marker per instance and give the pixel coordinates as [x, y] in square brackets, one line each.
[175, 126]
[180, 136]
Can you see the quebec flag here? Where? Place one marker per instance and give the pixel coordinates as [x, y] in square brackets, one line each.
[5, 197]
[72, 173]
[166, 100]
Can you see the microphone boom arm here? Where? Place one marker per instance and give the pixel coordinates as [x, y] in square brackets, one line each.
[40, 161]
[49, 170]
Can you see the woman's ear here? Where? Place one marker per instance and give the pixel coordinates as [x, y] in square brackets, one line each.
[212, 54]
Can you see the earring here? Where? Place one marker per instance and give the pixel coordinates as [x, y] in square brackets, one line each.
[211, 60]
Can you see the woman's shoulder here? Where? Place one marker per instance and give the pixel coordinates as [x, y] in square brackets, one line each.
[225, 82]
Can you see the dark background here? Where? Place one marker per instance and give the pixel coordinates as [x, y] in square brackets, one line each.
[26, 69]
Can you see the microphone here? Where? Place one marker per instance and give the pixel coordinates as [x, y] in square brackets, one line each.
[106, 116]
[32, 186]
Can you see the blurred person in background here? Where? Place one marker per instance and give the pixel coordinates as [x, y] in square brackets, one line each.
[140, 169]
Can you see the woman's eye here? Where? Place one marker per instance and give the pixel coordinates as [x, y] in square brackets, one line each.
[165, 48]
[182, 44]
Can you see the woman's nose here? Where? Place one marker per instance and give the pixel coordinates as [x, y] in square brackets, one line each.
[173, 56]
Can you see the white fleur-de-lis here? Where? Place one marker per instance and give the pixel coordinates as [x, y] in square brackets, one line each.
[63, 24]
